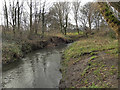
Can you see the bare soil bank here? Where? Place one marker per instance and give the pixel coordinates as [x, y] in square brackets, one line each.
[17, 51]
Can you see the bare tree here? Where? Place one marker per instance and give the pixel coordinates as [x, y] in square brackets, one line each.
[37, 15]
[97, 17]
[13, 16]
[18, 12]
[6, 14]
[59, 13]
[66, 7]
[36, 21]
[25, 20]
[31, 31]
[52, 19]
[62, 11]
[87, 10]
[83, 20]
[75, 8]
[19, 15]
[43, 18]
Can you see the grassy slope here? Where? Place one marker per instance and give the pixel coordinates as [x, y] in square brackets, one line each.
[91, 63]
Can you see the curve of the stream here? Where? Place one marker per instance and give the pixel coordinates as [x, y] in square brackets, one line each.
[39, 69]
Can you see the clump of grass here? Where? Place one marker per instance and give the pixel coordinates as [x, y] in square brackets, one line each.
[90, 46]
[85, 70]
[11, 52]
[93, 53]
[94, 86]
[93, 57]
[112, 52]
[113, 70]
[75, 33]
[112, 34]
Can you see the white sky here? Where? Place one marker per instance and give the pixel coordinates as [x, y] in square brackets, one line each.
[49, 1]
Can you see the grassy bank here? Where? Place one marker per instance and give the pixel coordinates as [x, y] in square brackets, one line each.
[91, 63]
[15, 48]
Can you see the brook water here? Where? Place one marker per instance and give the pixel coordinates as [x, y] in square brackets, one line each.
[39, 69]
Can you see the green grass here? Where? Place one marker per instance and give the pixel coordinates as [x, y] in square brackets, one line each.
[92, 47]
[93, 57]
[93, 53]
[75, 33]
[85, 70]
[113, 52]
[89, 45]
[94, 86]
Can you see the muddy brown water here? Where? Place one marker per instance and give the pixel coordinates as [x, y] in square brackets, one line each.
[39, 69]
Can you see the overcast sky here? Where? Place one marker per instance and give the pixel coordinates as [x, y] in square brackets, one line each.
[48, 1]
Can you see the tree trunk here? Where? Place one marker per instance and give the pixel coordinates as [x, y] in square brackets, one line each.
[61, 27]
[66, 24]
[77, 27]
[13, 18]
[6, 15]
[89, 23]
[119, 53]
[36, 28]
[43, 19]
[119, 42]
[98, 24]
[31, 17]
[43, 24]
[65, 30]
[18, 17]
[36, 24]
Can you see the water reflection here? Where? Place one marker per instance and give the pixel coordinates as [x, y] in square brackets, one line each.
[38, 69]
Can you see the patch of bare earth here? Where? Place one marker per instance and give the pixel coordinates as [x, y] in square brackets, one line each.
[100, 71]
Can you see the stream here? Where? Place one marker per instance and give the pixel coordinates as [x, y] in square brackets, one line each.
[39, 69]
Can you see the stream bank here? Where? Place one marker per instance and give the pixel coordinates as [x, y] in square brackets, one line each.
[90, 63]
[14, 51]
